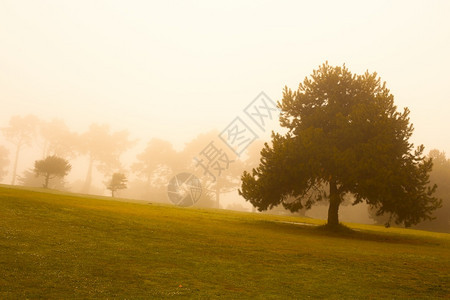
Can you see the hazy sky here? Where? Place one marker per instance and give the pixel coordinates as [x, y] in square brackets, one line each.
[173, 69]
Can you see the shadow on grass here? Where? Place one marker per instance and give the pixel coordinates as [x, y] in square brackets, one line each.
[344, 232]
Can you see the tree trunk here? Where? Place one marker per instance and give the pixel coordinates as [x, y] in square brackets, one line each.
[47, 176]
[333, 209]
[16, 160]
[112, 193]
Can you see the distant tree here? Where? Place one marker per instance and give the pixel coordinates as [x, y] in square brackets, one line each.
[57, 138]
[4, 162]
[192, 148]
[31, 179]
[344, 134]
[441, 177]
[229, 178]
[51, 167]
[118, 182]
[155, 166]
[159, 162]
[20, 132]
[103, 149]
[157, 156]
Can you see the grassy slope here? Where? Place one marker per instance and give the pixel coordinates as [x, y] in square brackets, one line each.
[59, 245]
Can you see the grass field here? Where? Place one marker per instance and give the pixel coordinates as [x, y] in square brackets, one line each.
[55, 245]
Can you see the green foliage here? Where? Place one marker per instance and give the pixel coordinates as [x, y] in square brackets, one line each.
[51, 167]
[59, 246]
[118, 182]
[440, 176]
[345, 134]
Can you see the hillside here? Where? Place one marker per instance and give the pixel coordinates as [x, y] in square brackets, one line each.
[57, 245]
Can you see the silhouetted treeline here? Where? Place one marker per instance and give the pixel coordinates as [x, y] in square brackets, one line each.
[102, 149]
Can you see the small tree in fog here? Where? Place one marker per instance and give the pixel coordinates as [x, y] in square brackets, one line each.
[118, 182]
[51, 167]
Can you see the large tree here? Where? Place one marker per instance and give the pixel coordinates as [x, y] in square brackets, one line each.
[345, 136]
[51, 167]
[20, 132]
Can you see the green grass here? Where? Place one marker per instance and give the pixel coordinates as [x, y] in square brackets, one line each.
[56, 245]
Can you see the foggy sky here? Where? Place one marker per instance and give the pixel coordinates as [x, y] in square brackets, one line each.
[174, 70]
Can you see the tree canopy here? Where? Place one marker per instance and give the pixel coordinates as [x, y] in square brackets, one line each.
[159, 155]
[51, 167]
[57, 138]
[345, 136]
[118, 182]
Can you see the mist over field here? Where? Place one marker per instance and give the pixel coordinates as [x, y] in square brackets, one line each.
[176, 71]
[155, 121]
